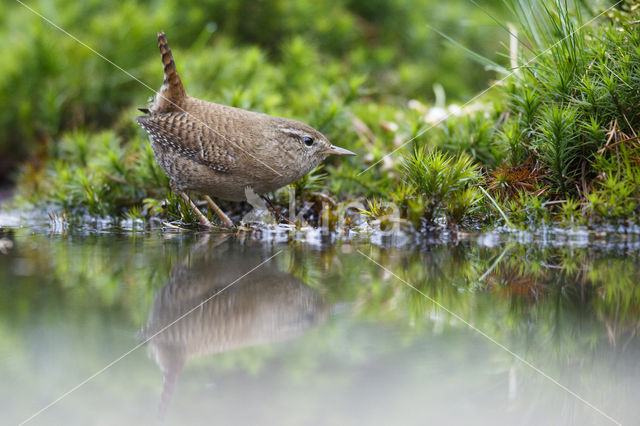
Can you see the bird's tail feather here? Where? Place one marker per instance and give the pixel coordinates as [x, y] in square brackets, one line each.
[172, 94]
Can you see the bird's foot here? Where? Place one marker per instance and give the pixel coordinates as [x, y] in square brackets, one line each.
[223, 217]
[201, 217]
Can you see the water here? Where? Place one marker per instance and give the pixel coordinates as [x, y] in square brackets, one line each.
[317, 334]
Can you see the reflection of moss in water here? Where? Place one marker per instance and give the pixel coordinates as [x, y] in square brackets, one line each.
[530, 292]
[563, 307]
[574, 296]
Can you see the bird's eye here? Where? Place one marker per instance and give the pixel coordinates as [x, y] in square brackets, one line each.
[308, 141]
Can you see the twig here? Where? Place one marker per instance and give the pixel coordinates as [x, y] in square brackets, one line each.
[583, 179]
[170, 225]
[608, 147]
[549, 203]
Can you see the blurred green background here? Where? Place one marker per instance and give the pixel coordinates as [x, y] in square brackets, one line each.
[301, 59]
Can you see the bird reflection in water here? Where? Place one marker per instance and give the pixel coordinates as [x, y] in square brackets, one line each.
[268, 305]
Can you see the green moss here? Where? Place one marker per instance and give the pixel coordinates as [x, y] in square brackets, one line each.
[555, 141]
[444, 185]
[97, 172]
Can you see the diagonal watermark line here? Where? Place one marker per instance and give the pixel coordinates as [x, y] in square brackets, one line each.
[144, 84]
[494, 84]
[139, 345]
[491, 339]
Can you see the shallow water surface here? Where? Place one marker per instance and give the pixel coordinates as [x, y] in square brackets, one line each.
[170, 328]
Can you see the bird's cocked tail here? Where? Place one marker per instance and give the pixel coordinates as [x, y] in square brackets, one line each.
[172, 94]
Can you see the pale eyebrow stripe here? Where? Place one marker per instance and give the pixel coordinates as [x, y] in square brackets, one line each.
[294, 131]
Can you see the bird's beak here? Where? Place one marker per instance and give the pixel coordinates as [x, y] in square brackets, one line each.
[336, 150]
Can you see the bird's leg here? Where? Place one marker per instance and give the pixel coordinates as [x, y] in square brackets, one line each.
[201, 217]
[223, 217]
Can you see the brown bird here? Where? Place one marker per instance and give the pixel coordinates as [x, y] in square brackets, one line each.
[219, 150]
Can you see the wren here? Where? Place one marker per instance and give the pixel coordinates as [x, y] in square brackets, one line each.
[220, 150]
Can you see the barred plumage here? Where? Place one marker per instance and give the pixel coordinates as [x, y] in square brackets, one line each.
[220, 150]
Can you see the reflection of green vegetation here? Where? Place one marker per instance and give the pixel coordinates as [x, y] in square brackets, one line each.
[553, 305]
[538, 284]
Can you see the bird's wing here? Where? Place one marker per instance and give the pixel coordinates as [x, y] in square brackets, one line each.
[180, 133]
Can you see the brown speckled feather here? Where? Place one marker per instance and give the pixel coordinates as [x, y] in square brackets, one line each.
[189, 138]
[219, 150]
[172, 93]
